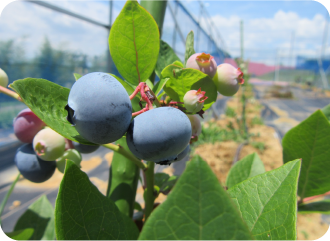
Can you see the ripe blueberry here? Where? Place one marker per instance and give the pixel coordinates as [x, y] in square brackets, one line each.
[99, 107]
[159, 135]
[32, 167]
[85, 148]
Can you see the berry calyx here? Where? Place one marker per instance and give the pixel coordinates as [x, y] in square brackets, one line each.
[203, 62]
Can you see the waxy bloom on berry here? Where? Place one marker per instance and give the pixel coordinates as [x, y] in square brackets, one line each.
[228, 79]
[203, 62]
[194, 100]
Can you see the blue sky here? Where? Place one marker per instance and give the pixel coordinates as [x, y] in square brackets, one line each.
[268, 26]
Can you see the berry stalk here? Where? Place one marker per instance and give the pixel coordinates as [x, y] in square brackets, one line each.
[122, 151]
[10, 93]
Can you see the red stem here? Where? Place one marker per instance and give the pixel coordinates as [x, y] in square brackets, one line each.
[313, 197]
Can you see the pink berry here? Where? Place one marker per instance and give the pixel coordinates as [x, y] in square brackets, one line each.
[228, 79]
[27, 125]
[203, 62]
[194, 100]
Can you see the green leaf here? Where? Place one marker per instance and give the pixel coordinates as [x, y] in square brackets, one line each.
[166, 57]
[24, 234]
[178, 63]
[47, 100]
[182, 80]
[268, 202]
[197, 208]
[326, 111]
[137, 206]
[315, 207]
[129, 89]
[149, 84]
[39, 217]
[82, 212]
[310, 141]
[77, 76]
[249, 166]
[159, 86]
[189, 46]
[124, 180]
[134, 43]
[165, 182]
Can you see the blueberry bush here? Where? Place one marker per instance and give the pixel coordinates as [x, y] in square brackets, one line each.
[154, 124]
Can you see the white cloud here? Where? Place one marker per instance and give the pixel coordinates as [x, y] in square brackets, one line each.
[263, 36]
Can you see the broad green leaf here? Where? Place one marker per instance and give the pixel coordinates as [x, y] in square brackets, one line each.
[182, 80]
[39, 217]
[149, 84]
[24, 234]
[124, 180]
[77, 76]
[178, 63]
[166, 57]
[83, 213]
[129, 89]
[137, 206]
[47, 100]
[197, 208]
[189, 46]
[268, 202]
[315, 207]
[165, 182]
[134, 43]
[249, 166]
[326, 111]
[310, 141]
[159, 86]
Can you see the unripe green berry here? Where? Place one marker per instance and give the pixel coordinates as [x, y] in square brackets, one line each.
[3, 78]
[48, 144]
[70, 154]
[194, 100]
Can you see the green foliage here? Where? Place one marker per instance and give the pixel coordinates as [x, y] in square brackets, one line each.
[258, 145]
[326, 111]
[77, 76]
[182, 80]
[48, 100]
[166, 57]
[246, 168]
[159, 86]
[213, 133]
[24, 234]
[268, 202]
[230, 112]
[189, 46]
[165, 182]
[124, 175]
[308, 141]
[257, 121]
[197, 208]
[40, 218]
[315, 207]
[82, 212]
[134, 43]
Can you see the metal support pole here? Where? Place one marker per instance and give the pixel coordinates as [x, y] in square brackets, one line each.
[242, 40]
[157, 10]
[176, 25]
